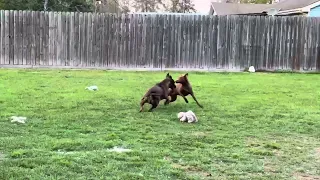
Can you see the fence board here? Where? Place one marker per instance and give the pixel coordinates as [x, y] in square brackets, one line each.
[188, 26]
[2, 36]
[16, 37]
[19, 49]
[6, 37]
[82, 38]
[76, 39]
[67, 35]
[94, 31]
[37, 41]
[100, 40]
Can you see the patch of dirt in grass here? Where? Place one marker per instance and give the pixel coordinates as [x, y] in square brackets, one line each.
[269, 168]
[200, 134]
[318, 153]
[190, 170]
[277, 153]
[2, 156]
[302, 176]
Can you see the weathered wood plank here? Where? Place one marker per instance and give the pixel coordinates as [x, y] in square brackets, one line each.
[170, 41]
[203, 42]
[127, 44]
[16, 39]
[210, 28]
[83, 22]
[2, 37]
[192, 42]
[62, 35]
[46, 44]
[29, 38]
[100, 40]
[32, 37]
[52, 38]
[317, 59]
[155, 42]
[183, 31]
[76, 61]
[36, 30]
[189, 26]
[11, 37]
[221, 41]
[314, 41]
[194, 49]
[117, 31]
[41, 37]
[178, 42]
[89, 36]
[111, 44]
[19, 46]
[107, 38]
[72, 55]
[173, 54]
[6, 36]
[94, 33]
[67, 36]
[165, 39]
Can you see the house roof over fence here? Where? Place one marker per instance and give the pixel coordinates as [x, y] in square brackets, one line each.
[291, 6]
[236, 8]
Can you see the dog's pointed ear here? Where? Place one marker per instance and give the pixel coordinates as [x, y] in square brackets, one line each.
[168, 75]
[186, 74]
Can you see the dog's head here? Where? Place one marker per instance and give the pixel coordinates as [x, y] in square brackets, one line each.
[172, 84]
[183, 79]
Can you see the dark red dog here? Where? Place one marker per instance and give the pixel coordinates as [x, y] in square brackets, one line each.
[183, 88]
[158, 92]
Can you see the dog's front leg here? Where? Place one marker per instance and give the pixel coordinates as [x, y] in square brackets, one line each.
[196, 100]
[185, 99]
[167, 97]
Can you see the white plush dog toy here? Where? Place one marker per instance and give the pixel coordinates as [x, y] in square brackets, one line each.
[188, 116]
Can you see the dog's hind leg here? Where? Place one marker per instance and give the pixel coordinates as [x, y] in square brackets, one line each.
[154, 104]
[143, 101]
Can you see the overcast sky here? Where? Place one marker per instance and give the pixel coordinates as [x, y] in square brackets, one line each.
[202, 6]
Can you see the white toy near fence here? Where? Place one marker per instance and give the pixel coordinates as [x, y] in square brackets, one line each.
[251, 69]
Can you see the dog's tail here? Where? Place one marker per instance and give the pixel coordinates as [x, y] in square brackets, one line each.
[150, 94]
[146, 95]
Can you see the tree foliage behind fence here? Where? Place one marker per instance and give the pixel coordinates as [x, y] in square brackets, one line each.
[159, 41]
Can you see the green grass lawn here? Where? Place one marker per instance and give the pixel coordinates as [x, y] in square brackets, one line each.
[252, 126]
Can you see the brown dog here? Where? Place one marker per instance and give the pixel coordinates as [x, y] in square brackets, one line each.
[158, 92]
[183, 88]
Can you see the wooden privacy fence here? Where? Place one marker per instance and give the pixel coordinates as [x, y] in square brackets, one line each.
[158, 41]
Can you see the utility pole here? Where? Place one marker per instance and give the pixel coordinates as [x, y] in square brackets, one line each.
[183, 6]
[95, 4]
[45, 5]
